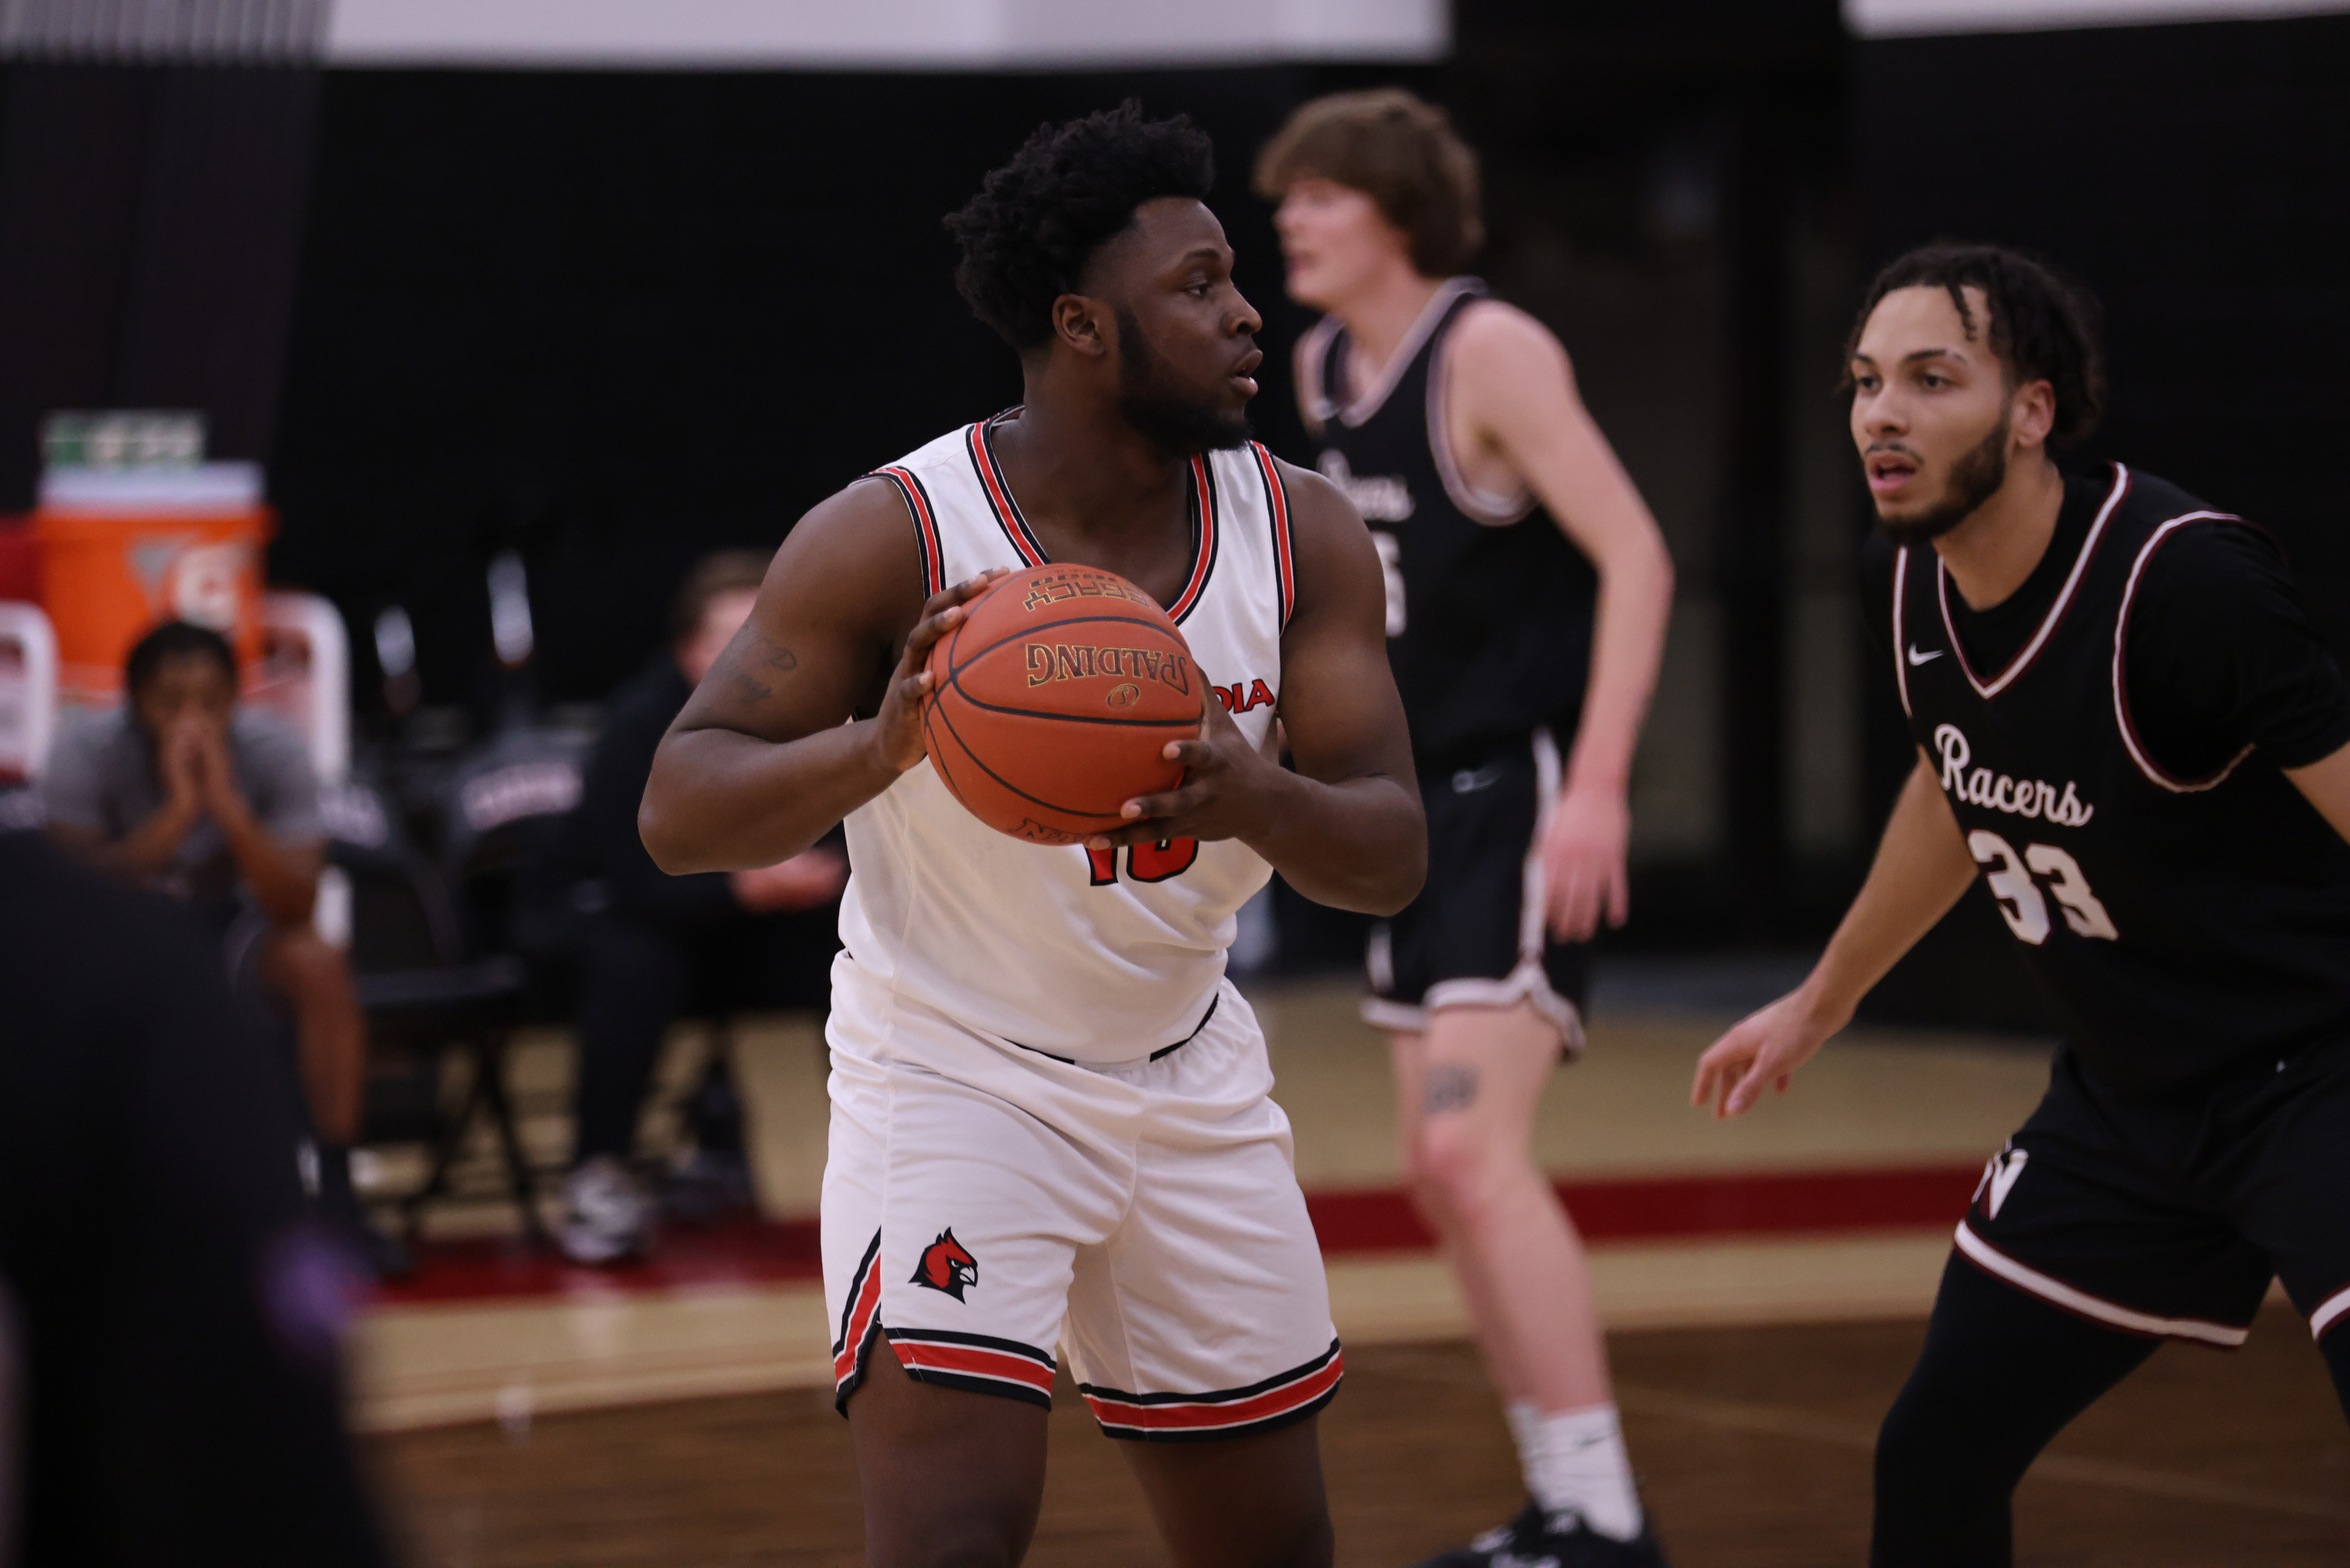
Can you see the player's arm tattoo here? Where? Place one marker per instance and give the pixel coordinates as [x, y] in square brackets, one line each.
[1448, 1089]
[754, 659]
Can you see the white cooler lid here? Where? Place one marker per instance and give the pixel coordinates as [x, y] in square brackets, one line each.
[203, 489]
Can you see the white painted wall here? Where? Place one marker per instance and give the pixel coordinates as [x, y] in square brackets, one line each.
[880, 34]
[1904, 18]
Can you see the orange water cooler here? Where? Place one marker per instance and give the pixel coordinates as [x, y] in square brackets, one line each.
[122, 550]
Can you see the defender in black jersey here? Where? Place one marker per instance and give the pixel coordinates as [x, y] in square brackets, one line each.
[2126, 727]
[1527, 593]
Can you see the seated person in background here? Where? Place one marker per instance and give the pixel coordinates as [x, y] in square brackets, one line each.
[183, 791]
[654, 945]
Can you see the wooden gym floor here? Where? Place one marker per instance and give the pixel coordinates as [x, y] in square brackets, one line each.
[1765, 1284]
[1753, 1443]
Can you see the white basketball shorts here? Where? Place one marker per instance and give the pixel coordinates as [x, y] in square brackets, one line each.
[986, 1207]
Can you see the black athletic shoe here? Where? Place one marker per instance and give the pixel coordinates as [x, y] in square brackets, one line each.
[1538, 1540]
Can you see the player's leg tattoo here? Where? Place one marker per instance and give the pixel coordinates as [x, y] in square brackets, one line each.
[1451, 1087]
[1468, 1159]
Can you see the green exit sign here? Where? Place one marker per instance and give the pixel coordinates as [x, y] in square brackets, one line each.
[123, 438]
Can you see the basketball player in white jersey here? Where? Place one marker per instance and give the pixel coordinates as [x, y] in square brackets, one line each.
[1051, 1127]
[1528, 591]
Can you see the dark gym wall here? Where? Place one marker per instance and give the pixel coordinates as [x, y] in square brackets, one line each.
[150, 220]
[614, 319]
[2193, 177]
[619, 319]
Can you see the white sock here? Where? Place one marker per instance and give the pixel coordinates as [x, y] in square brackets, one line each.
[1575, 1463]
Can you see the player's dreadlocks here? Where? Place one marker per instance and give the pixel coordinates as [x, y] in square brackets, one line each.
[1038, 220]
[2042, 326]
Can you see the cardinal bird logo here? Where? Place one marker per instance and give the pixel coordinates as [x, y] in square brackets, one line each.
[947, 1266]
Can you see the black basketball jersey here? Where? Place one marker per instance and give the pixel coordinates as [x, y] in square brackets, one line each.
[1488, 605]
[2184, 926]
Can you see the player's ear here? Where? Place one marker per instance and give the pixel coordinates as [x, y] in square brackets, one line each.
[1078, 321]
[2031, 413]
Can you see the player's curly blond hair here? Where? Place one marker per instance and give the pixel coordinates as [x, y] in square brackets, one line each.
[1399, 150]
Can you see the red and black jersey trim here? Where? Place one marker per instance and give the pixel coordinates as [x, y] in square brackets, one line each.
[925, 525]
[978, 442]
[999, 494]
[860, 1324]
[1277, 508]
[978, 1362]
[1232, 1412]
[1203, 558]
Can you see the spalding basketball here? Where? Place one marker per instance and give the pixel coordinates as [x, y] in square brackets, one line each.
[1053, 702]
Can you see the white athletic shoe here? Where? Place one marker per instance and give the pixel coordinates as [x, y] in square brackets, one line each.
[606, 1215]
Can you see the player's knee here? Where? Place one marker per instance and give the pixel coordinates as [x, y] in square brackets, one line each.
[1461, 1168]
[1412, 1163]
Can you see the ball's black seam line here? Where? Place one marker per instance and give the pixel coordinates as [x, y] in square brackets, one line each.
[1111, 819]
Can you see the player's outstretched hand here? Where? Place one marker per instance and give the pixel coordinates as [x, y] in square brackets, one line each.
[1583, 863]
[1765, 1048]
[898, 728]
[1227, 785]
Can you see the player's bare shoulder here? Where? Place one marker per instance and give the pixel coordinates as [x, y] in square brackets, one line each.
[1494, 337]
[863, 541]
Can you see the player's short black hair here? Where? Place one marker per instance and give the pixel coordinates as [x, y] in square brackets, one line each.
[2043, 325]
[1037, 221]
[172, 640]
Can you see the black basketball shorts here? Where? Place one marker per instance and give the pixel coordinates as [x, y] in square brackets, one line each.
[1475, 937]
[2170, 1218]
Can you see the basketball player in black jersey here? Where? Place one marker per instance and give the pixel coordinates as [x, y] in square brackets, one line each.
[2124, 724]
[1527, 594]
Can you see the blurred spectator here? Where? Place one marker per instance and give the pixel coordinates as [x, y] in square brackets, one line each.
[182, 791]
[173, 1321]
[652, 947]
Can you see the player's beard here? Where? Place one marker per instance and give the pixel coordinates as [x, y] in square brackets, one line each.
[1974, 479]
[1175, 425]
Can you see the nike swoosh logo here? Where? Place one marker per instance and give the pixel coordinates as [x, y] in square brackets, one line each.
[1916, 658]
[1469, 780]
[2004, 1176]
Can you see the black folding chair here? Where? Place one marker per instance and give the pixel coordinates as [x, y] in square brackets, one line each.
[425, 995]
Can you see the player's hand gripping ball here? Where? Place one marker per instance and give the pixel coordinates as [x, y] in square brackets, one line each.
[1053, 701]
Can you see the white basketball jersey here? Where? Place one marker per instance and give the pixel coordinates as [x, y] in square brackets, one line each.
[1089, 955]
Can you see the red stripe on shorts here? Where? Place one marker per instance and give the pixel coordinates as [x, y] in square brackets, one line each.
[920, 1355]
[1129, 1414]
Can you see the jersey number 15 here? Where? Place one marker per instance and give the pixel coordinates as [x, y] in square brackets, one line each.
[2026, 912]
[1144, 862]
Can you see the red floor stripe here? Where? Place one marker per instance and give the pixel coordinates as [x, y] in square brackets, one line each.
[738, 1252]
[1366, 1220]
[1381, 1219]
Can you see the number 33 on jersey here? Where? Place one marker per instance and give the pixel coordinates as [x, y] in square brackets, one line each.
[2010, 879]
